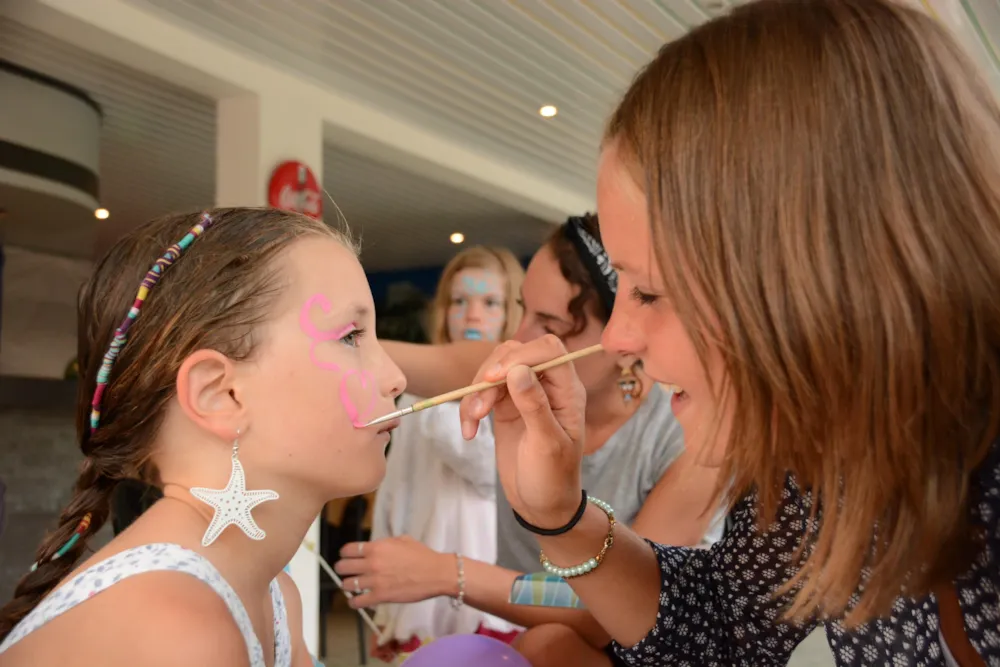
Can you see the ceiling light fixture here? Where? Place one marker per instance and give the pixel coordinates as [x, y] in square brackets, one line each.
[457, 237]
[101, 214]
[548, 111]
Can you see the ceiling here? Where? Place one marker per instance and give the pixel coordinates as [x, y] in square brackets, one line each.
[157, 140]
[474, 71]
[404, 220]
[478, 70]
[158, 155]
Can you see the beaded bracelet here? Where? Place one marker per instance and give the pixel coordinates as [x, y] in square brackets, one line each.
[591, 564]
[459, 600]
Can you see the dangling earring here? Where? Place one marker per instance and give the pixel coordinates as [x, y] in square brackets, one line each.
[629, 384]
[232, 504]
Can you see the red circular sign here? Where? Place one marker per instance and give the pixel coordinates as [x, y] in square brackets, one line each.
[293, 187]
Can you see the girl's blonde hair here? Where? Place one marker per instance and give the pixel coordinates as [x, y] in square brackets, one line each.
[500, 260]
[823, 181]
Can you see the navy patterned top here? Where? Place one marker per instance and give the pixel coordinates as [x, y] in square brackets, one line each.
[717, 606]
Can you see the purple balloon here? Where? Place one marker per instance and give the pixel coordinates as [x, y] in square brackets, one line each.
[466, 651]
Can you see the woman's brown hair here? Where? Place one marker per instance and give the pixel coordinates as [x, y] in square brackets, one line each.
[210, 298]
[823, 181]
[572, 268]
[500, 260]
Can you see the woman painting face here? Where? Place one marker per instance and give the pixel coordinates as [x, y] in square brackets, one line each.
[644, 323]
[478, 305]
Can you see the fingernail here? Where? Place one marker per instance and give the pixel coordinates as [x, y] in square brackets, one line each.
[476, 405]
[495, 372]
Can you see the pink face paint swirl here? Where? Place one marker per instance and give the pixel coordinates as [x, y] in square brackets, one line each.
[317, 335]
[359, 415]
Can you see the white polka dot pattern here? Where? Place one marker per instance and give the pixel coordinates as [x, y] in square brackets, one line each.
[158, 558]
[717, 606]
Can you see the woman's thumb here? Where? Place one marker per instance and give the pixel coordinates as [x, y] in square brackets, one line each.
[530, 399]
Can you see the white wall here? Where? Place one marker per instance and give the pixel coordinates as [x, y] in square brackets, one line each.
[38, 320]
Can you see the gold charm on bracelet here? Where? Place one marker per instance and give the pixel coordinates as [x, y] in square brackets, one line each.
[590, 564]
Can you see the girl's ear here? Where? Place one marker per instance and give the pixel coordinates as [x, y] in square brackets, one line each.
[208, 392]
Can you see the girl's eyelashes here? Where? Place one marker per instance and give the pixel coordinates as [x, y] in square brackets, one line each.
[643, 298]
[353, 337]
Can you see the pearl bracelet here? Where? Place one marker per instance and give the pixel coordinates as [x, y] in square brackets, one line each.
[459, 600]
[592, 563]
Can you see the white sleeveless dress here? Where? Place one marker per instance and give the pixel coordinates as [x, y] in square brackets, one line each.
[158, 558]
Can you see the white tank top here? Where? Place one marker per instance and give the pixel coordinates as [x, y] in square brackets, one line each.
[158, 558]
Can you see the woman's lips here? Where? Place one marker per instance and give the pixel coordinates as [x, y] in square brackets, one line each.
[472, 334]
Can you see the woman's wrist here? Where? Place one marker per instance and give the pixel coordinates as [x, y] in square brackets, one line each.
[579, 544]
[556, 517]
[446, 575]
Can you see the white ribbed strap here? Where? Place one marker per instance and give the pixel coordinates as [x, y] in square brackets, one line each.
[160, 557]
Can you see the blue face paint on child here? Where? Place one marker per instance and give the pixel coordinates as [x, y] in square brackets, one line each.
[478, 306]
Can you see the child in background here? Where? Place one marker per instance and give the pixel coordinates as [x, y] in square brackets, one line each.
[440, 489]
[235, 381]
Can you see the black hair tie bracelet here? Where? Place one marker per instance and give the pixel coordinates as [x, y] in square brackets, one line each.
[551, 532]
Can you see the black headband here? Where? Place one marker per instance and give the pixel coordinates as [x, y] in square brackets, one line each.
[595, 259]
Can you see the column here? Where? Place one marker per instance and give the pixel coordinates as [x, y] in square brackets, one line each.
[254, 135]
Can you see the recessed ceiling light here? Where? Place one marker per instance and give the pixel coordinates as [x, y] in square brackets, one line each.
[457, 237]
[548, 111]
[101, 214]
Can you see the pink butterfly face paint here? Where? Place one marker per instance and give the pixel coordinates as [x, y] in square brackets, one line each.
[317, 335]
[357, 387]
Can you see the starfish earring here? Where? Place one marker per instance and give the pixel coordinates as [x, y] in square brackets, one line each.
[232, 504]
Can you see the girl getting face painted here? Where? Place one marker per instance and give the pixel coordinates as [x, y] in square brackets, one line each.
[478, 305]
[476, 297]
[230, 377]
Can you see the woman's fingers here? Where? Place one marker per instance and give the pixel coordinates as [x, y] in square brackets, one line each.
[561, 379]
[347, 566]
[532, 403]
[532, 353]
[369, 596]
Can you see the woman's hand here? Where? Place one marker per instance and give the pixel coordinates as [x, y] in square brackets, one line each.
[538, 425]
[395, 569]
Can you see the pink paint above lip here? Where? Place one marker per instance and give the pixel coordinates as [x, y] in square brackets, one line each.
[358, 414]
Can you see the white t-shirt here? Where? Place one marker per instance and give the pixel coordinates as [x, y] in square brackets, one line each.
[440, 490]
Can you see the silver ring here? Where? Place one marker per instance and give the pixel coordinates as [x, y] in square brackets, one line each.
[361, 549]
[357, 587]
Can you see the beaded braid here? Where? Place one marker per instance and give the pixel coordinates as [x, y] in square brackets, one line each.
[118, 341]
[81, 528]
[152, 277]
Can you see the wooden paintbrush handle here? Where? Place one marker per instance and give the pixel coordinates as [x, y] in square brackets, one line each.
[480, 386]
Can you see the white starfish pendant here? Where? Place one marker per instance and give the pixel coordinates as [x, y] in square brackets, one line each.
[232, 506]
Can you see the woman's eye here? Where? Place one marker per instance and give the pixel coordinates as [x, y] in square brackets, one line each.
[494, 303]
[353, 338]
[458, 300]
[643, 298]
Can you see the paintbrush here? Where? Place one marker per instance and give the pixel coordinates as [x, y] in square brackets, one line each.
[480, 386]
